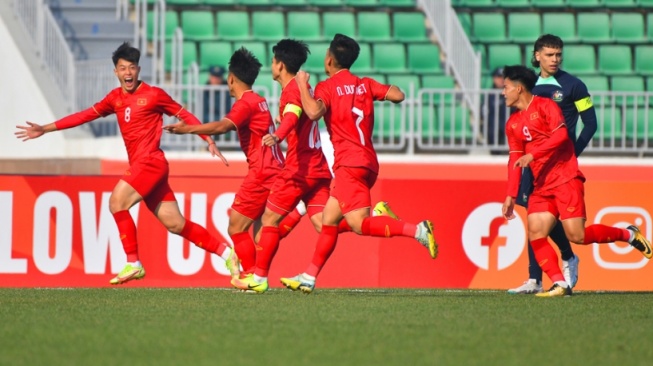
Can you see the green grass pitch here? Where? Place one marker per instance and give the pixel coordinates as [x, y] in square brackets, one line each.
[129, 326]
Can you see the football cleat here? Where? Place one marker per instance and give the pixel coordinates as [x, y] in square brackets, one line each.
[383, 209]
[570, 270]
[640, 242]
[299, 283]
[426, 238]
[233, 264]
[248, 283]
[529, 287]
[130, 272]
[556, 291]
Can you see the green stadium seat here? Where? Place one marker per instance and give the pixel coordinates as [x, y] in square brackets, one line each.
[361, 3]
[398, 3]
[579, 60]
[389, 121]
[594, 27]
[466, 22]
[450, 122]
[645, 3]
[643, 60]
[628, 28]
[438, 82]
[424, 58]
[649, 26]
[255, 2]
[172, 23]
[584, 3]
[489, 27]
[597, 83]
[562, 25]
[184, 2]
[264, 81]
[338, 22]
[609, 123]
[638, 124]
[215, 53]
[404, 82]
[548, 3]
[524, 27]
[615, 59]
[304, 25]
[480, 48]
[268, 26]
[363, 63]
[290, 2]
[315, 61]
[198, 25]
[649, 83]
[500, 55]
[189, 55]
[326, 2]
[381, 78]
[620, 3]
[259, 50]
[220, 2]
[514, 3]
[233, 25]
[628, 84]
[477, 3]
[373, 26]
[389, 58]
[409, 27]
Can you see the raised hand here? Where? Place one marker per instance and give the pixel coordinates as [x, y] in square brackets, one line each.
[29, 132]
[302, 77]
[178, 128]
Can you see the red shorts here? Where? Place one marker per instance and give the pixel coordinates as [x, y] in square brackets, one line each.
[286, 193]
[352, 188]
[250, 199]
[149, 177]
[566, 201]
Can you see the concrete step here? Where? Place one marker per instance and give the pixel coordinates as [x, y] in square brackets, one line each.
[88, 12]
[88, 28]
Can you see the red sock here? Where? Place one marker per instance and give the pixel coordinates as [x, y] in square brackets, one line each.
[326, 243]
[127, 230]
[343, 226]
[547, 259]
[269, 243]
[385, 226]
[288, 223]
[201, 237]
[245, 250]
[598, 233]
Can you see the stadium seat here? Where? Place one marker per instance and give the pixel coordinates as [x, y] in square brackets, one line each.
[233, 25]
[447, 123]
[649, 26]
[290, 2]
[326, 2]
[315, 61]
[373, 26]
[398, 3]
[214, 53]
[304, 25]
[466, 22]
[562, 25]
[548, 3]
[477, 3]
[381, 78]
[268, 26]
[514, 3]
[198, 25]
[363, 63]
[645, 3]
[259, 50]
[579, 60]
[404, 82]
[361, 3]
[189, 55]
[480, 48]
[438, 82]
[338, 22]
[424, 58]
[172, 22]
[610, 125]
[255, 2]
[389, 121]
[584, 3]
[500, 55]
[271, 87]
[619, 3]
[615, 59]
[409, 27]
[643, 60]
[524, 27]
[220, 2]
[596, 84]
[594, 27]
[628, 28]
[489, 27]
[628, 84]
[389, 58]
[637, 124]
[184, 2]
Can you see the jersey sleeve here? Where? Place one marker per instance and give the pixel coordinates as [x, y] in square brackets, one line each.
[323, 93]
[290, 114]
[240, 114]
[167, 104]
[516, 150]
[102, 108]
[581, 97]
[378, 90]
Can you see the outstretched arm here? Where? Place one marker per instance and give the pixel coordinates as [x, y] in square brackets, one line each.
[33, 130]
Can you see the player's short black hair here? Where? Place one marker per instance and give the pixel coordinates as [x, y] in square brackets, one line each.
[521, 74]
[292, 53]
[345, 50]
[547, 40]
[126, 52]
[245, 66]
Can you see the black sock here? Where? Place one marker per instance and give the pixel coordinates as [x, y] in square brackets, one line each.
[560, 238]
[534, 270]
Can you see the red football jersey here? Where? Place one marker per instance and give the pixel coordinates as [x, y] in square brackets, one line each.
[252, 118]
[304, 154]
[350, 117]
[529, 129]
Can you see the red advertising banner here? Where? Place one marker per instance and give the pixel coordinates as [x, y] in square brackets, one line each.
[57, 231]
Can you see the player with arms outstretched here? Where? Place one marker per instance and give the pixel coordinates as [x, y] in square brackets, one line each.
[139, 108]
[537, 137]
[346, 102]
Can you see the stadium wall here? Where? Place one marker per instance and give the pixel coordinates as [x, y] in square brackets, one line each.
[56, 231]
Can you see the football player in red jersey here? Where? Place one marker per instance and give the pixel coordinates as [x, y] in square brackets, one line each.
[537, 137]
[139, 108]
[346, 103]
